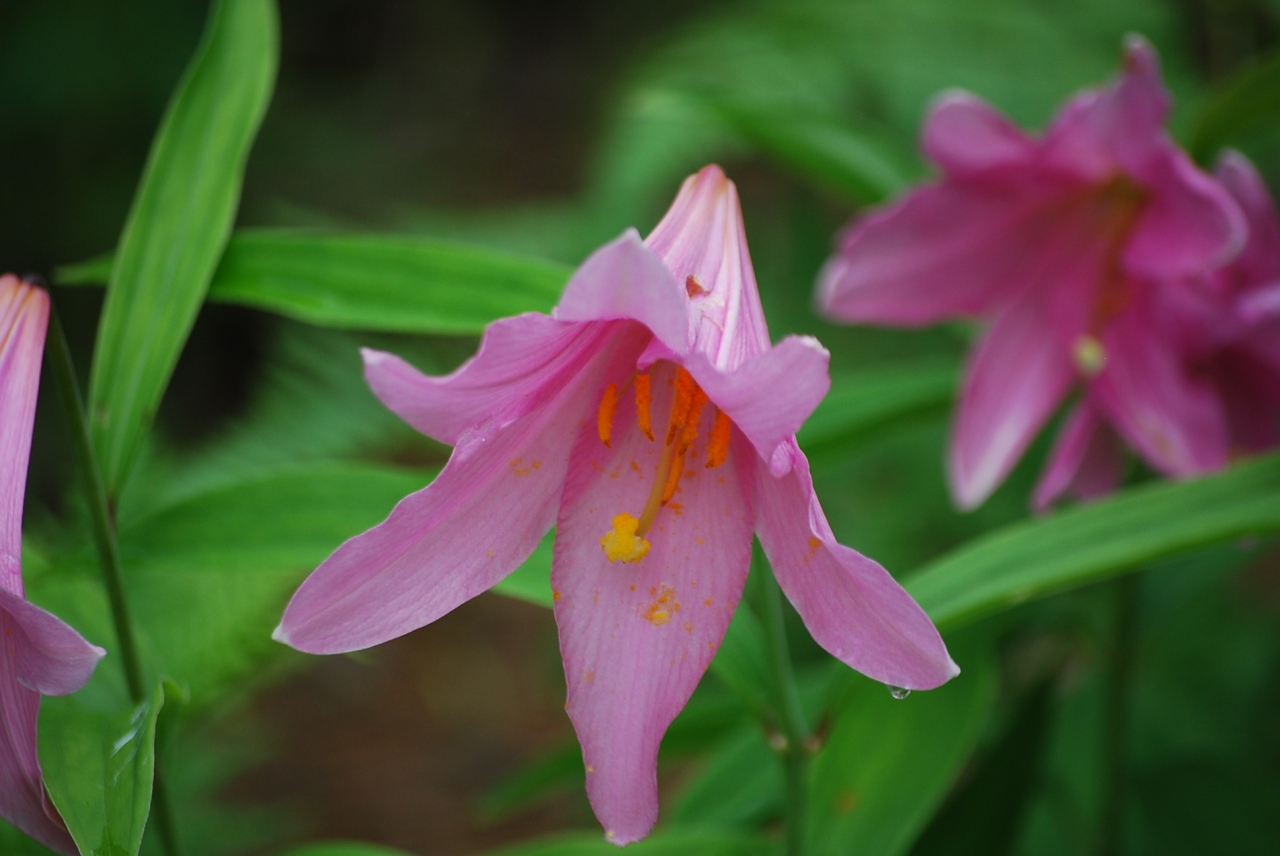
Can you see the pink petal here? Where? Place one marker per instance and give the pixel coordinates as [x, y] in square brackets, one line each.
[50, 656]
[941, 251]
[1259, 261]
[1085, 462]
[1189, 226]
[470, 528]
[1015, 379]
[850, 604]
[703, 243]
[625, 279]
[24, 315]
[1173, 418]
[519, 358]
[769, 396]
[22, 796]
[1118, 128]
[631, 658]
[966, 136]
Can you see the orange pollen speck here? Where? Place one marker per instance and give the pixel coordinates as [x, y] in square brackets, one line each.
[718, 448]
[644, 398]
[604, 417]
[693, 287]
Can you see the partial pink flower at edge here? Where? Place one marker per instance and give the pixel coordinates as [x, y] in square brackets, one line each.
[42, 655]
[1051, 241]
[652, 422]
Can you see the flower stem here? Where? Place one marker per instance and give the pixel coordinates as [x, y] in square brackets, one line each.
[1119, 686]
[104, 536]
[795, 746]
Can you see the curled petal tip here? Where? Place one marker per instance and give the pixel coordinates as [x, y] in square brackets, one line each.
[1139, 56]
[373, 357]
[281, 635]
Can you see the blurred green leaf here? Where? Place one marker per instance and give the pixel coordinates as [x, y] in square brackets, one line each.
[1092, 542]
[740, 784]
[743, 662]
[669, 842]
[209, 576]
[531, 582]
[98, 755]
[180, 221]
[865, 405]
[888, 763]
[856, 164]
[1247, 100]
[15, 843]
[372, 282]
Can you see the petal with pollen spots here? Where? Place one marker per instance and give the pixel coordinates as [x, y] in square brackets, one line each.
[457, 537]
[852, 606]
[637, 636]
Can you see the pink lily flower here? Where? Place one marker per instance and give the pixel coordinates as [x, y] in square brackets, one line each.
[42, 655]
[1057, 243]
[1219, 337]
[650, 420]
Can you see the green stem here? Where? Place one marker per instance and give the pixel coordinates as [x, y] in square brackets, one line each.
[795, 747]
[104, 536]
[1119, 685]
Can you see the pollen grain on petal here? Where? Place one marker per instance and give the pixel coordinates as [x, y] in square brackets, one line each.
[694, 287]
[621, 543]
[661, 610]
[644, 401]
[604, 416]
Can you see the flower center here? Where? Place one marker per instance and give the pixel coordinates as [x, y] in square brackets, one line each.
[1120, 203]
[625, 541]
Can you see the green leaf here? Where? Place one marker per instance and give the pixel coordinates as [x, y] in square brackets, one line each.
[98, 755]
[209, 576]
[864, 405]
[669, 842]
[372, 282]
[1246, 101]
[740, 784]
[1092, 542]
[531, 582]
[888, 763]
[180, 221]
[855, 164]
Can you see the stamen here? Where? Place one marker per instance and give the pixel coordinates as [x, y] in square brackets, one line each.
[685, 386]
[644, 398]
[691, 420]
[718, 448]
[621, 543]
[673, 477]
[604, 417]
[1090, 355]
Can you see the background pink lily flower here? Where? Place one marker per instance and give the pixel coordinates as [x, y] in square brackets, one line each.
[1220, 338]
[42, 655]
[1052, 241]
[650, 420]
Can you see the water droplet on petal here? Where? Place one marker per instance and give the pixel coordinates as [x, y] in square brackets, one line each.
[899, 692]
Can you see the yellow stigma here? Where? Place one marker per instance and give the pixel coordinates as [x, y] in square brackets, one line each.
[621, 543]
[1090, 355]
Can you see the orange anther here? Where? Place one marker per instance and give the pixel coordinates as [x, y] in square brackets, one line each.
[685, 388]
[673, 477]
[604, 417]
[718, 448]
[691, 420]
[644, 397]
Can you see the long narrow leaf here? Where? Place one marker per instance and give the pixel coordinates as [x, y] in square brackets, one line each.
[180, 221]
[1088, 543]
[371, 282]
